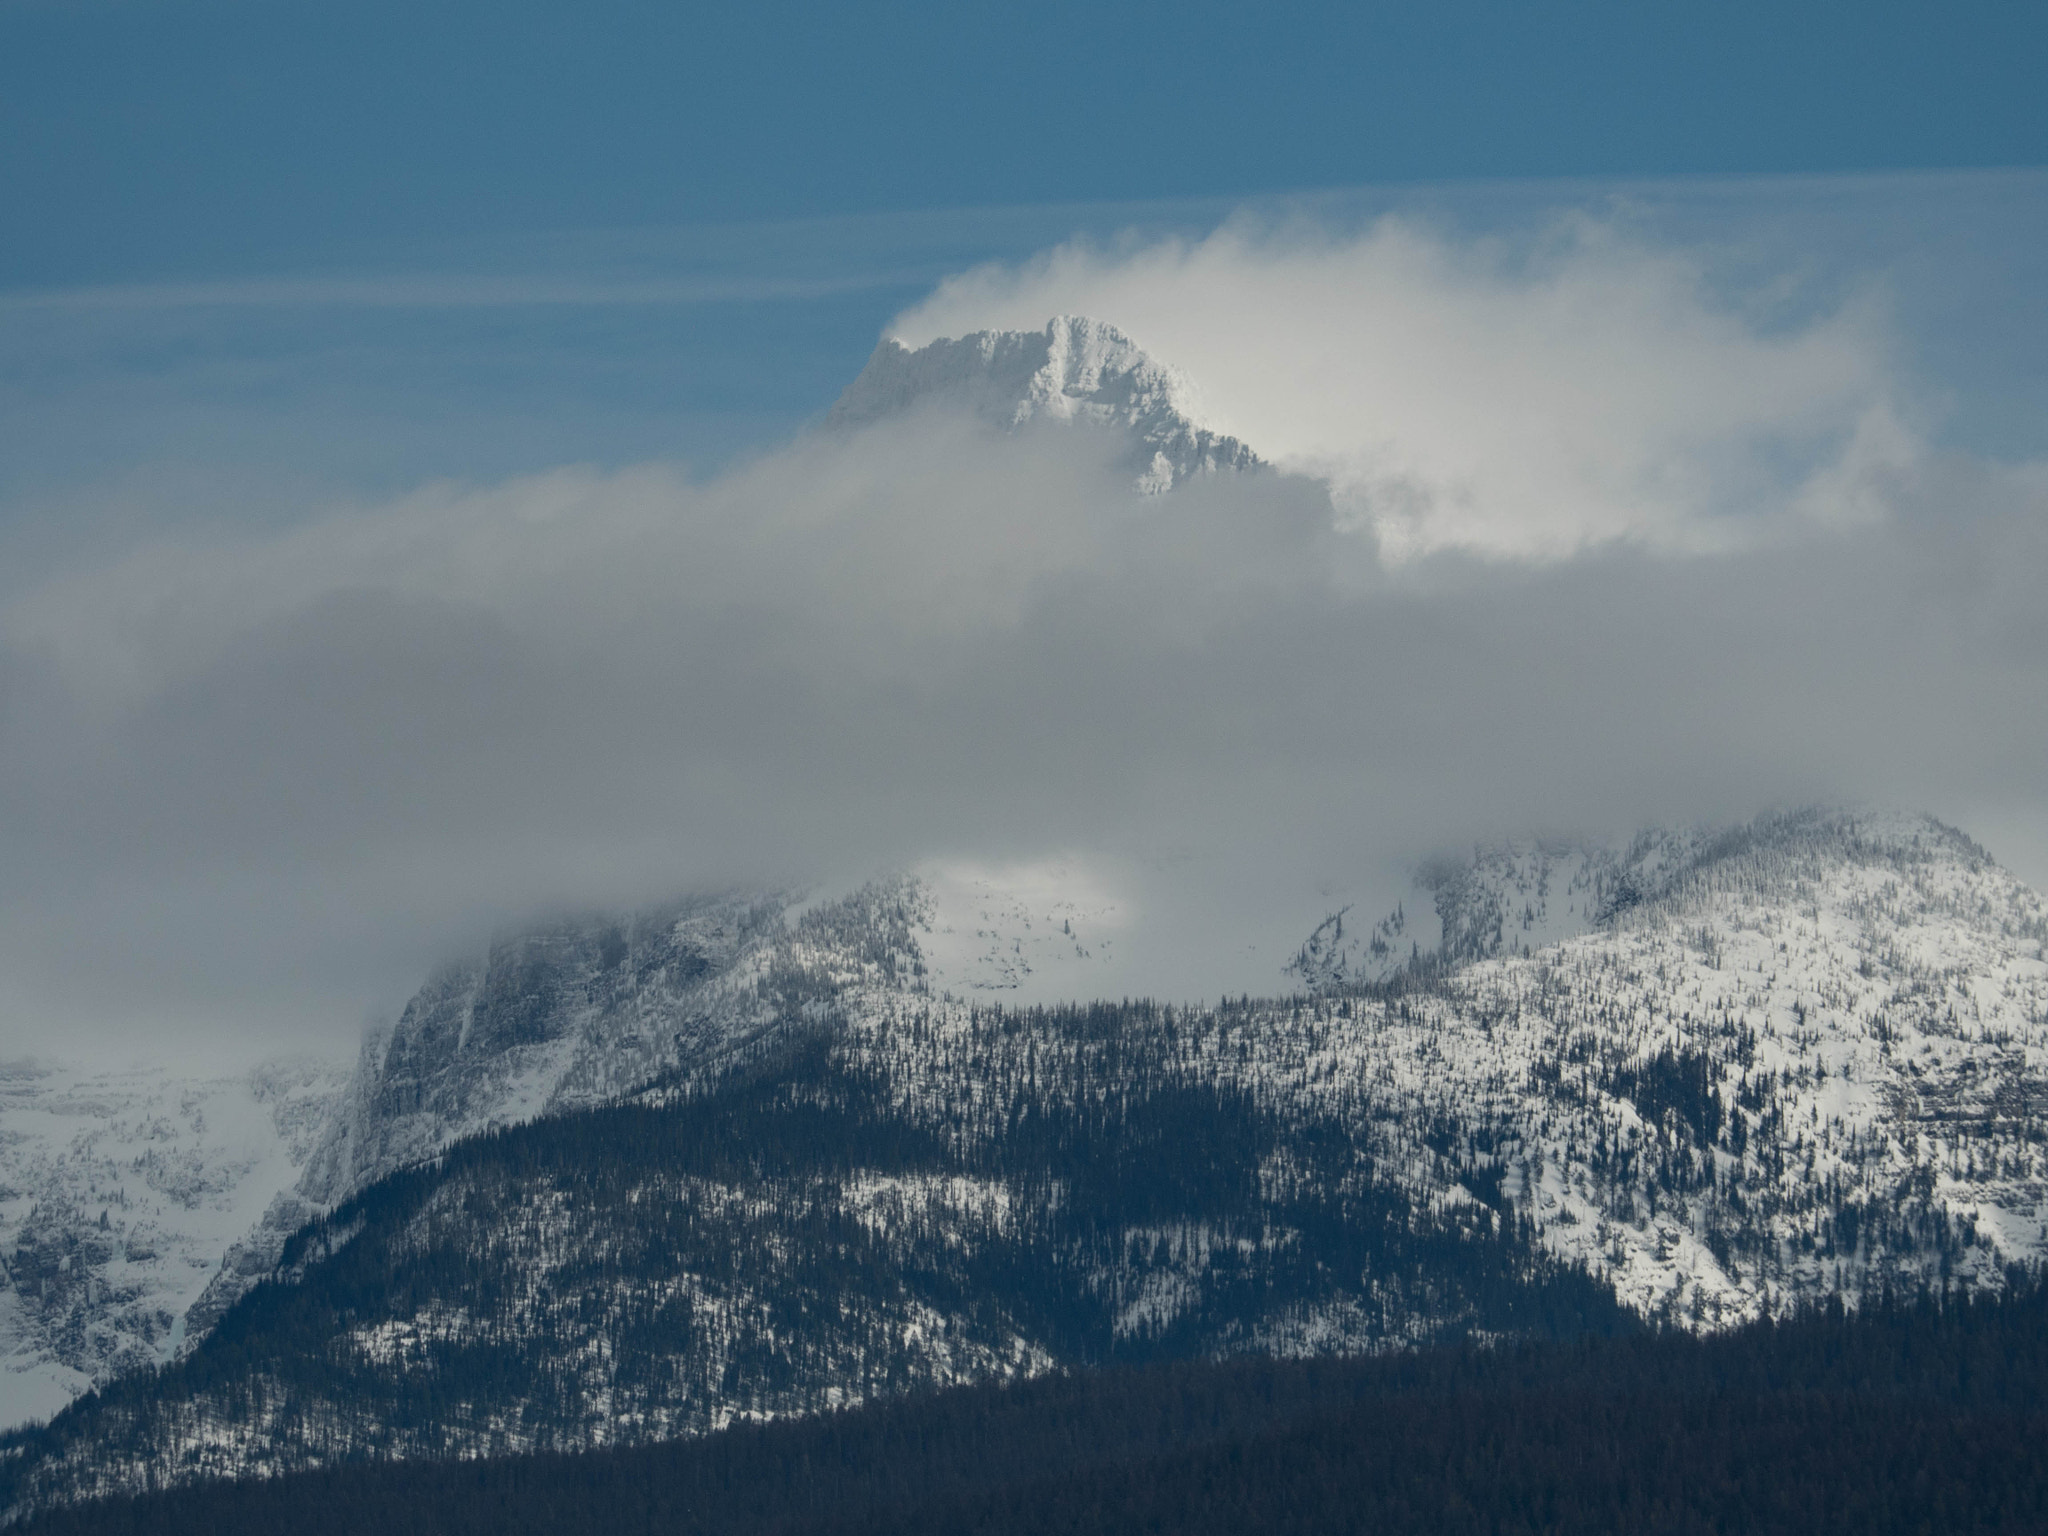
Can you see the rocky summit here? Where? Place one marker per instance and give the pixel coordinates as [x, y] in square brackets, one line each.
[1075, 370]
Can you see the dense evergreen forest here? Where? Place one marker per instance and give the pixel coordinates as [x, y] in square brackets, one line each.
[1927, 1415]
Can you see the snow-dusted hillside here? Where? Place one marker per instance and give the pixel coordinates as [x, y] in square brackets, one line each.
[579, 1013]
[137, 1206]
[1723, 1070]
[1713, 1074]
[885, 1190]
[120, 1191]
[1076, 369]
[1534, 984]
[1762, 1065]
[1809, 1056]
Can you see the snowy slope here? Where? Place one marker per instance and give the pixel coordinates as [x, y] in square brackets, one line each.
[1850, 1007]
[1847, 1008]
[1507, 898]
[1051, 927]
[120, 1191]
[1724, 1070]
[1076, 369]
[1861, 1002]
[201, 1181]
[1775, 1062]
[578, 1013]
[585, 1011]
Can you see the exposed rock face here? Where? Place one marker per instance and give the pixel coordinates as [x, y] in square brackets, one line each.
[577, 1013]
[1076, 369]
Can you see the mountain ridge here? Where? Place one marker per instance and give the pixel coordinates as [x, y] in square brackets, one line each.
[1809, 1062]
[596, 1010]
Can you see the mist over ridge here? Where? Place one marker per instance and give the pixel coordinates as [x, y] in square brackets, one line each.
[1665, 561]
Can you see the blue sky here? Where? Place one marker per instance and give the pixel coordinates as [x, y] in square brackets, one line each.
[263, 392]
[153, 137]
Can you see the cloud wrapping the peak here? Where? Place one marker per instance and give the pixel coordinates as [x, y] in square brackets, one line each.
[1514, 399]
[253, 781]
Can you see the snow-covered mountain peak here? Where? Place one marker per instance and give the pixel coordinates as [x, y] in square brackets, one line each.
[1526, 895]
[1076, 369]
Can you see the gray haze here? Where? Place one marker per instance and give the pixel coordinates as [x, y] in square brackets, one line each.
[253, 784]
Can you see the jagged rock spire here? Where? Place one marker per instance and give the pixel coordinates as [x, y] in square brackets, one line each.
[1076, 369]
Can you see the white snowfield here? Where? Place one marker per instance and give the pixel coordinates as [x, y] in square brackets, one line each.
[1051, 925]
[1860, 1003]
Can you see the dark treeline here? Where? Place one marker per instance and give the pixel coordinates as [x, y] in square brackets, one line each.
[1914, 1416]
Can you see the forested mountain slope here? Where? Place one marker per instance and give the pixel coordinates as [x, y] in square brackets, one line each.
[1908, 1416]
[1806, 1063]
[808, 1232]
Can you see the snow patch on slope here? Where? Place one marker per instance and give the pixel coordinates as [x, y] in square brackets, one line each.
[1047, 929]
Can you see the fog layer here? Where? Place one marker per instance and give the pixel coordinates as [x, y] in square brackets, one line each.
[1595, 548]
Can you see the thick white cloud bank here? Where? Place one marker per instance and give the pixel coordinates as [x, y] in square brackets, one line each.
[1520, 400]
[255, 783]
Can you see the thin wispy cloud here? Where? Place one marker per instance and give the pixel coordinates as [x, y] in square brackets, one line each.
[440, 291]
